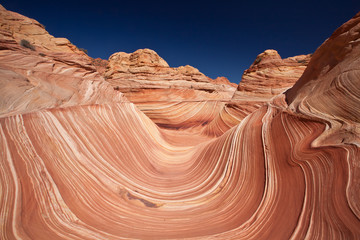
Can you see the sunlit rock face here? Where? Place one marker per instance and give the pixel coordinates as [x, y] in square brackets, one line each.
[179, 97]
[41, 74]
[20, 27]
[268, 76]
[330, 86]
[145, 71]
[105, 170]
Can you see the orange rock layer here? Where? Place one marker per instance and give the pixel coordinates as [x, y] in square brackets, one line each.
[46, 76]
[270, 75]
[267, 77]
[92, 168]
[179, 97]
[145, 71]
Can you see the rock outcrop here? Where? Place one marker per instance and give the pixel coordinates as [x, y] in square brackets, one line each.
[268, 76]
[19, 27]
[100, 65]
[43, 74]
[145, 70]
[330, 87]
[179, 97]
[88, 169]
[224, 80]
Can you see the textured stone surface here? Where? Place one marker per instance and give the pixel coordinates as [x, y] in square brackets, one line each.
[180, 97]
[100, 65]
[145, 69]
[47, 76]
[330, 86]
[224, 80]
[268, 76]
[104, 170]
[21, 27]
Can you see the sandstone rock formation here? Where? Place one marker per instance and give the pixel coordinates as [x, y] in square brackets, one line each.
[20, 27]
[330, 87]
[47, 76]
[89, 169]
[145, 70]
[267, 77]
[270, 75]
[180, 97]
[100, 65]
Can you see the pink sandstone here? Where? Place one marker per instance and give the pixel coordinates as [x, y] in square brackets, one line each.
[79, 161]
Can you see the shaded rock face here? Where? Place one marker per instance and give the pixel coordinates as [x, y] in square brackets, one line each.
[93, 166]
[100, 65]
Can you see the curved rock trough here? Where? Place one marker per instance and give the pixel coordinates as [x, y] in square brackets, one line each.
[82, 160]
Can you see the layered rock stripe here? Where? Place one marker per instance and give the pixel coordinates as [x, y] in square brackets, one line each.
[160, 91]
[84, 162]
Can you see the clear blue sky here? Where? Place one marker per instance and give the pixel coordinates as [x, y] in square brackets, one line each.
[220, 38]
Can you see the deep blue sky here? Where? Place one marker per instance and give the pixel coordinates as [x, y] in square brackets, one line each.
[220, 38]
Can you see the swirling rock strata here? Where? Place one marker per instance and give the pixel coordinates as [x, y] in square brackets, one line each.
[107, 171]
[268, 76]
[180, 97]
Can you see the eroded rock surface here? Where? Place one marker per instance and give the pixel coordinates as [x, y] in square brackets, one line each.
[268, 76]
[46, 75]
[145, 71]
[179, 97]
[105, 170]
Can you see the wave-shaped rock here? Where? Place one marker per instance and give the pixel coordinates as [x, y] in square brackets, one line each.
[105, 170]
[172, 97]
[268, 76]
